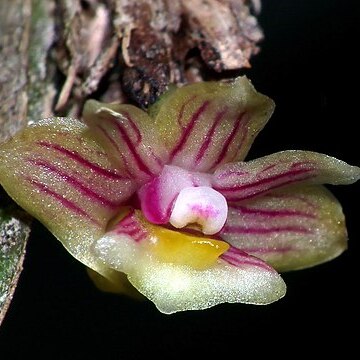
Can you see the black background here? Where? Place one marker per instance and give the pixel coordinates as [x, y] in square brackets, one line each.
[308, 65]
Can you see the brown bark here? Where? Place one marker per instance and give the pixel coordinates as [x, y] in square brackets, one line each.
[138, 48]
[14, 30]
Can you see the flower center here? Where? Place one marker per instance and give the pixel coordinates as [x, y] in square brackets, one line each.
[201, 205]
[131, 239]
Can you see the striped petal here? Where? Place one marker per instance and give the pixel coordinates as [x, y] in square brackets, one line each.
[128, 135]
[180, 271]
[244, 180]
[288, 228]
[61, 176]
[204, 125]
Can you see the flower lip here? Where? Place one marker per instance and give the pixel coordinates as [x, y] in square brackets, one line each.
[202, 205]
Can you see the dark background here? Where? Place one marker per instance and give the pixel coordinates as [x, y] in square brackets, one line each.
[308, 65]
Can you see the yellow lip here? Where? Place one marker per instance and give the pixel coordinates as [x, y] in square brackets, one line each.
[183, 248]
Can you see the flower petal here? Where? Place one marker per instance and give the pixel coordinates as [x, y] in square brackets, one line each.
[56, 172]
[128, 135]
[244, 180]
[289, 228]
[185, 275]
[204, 125]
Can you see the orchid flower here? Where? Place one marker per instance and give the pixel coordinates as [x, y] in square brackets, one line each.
[163, 199]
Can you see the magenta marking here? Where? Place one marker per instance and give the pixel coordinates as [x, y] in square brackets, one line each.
[133, 228]
[267, 180]
[77, 184]
[237, 251]
[182, 109]
[249, 260]
[63, 201]
[272, 213]
[293, 197]
[244, 135]
[237, 197]
[136, 234]
[127, 224]
[130, 232]
[264, 231]
[121, 229]
[130, 226]
[128, 221]
[230, 172]
[109, 138]
[127, 140]
[139, 237]
[209, 136]
[189, 128]
[151, 203]
[159, 161]
[82, 161]
[302, 163]
[228, 141]
[206, 212]
[134, 128]
[268, 168]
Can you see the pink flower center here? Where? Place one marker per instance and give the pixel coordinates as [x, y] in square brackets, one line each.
[201, 205]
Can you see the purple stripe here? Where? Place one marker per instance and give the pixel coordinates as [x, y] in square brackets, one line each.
[82, 161]
[128, 217]
[130, 232]
[302, 163]
[228, 141]
[134, 127]
[268, 168]
[129, 225]
[267, 180]
[237, 197]
[270, 179]
[292, 197]
[234, 252]
[189, 128]
[209, 136]
[126, 138]
[230, 172]
[128, 222]
[272, 213]
[233, 260]
[263, 231]
[64, 202]
[244, 131]
[115, 145]
[76, 184]
[158, 160]
[136, 234]
[121, 229]
[182, 109]
[141, 237]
